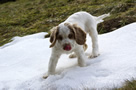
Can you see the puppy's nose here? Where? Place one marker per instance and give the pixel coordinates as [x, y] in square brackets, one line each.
[67, 47]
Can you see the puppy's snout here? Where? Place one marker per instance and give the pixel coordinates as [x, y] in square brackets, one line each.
[67, 47]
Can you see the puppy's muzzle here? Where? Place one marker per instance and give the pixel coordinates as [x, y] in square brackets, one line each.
[67, 47]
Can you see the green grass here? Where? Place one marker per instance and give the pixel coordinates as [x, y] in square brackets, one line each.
[24, 17]
[129, 85]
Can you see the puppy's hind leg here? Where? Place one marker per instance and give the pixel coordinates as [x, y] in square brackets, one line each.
[95, 48]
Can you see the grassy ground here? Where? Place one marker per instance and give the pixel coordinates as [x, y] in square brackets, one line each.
[128, 86]
[23, 17]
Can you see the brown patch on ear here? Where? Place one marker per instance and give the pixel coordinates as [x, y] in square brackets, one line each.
[80, 35]
[53, 36]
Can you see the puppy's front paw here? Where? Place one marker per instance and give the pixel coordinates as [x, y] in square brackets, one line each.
[45, 76]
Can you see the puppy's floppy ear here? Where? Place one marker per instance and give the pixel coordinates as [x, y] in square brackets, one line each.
[53, 36]
[80, 35]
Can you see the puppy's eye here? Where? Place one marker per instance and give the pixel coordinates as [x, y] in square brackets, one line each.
[60, 37]
[70, 36]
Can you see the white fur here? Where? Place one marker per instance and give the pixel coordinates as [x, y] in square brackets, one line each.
[86, 22]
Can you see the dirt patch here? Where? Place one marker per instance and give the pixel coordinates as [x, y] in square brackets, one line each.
[113, 24]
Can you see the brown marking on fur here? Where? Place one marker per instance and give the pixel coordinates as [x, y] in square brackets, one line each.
[59, 37]
[53, 36]
[80, 35]
[85, 46]
[71, 35]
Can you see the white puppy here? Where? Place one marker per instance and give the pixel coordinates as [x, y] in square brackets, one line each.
[70, 36]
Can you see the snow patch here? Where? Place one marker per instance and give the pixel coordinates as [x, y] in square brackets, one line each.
[24, 61]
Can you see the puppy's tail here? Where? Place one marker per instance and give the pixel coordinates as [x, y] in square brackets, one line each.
[99, 19]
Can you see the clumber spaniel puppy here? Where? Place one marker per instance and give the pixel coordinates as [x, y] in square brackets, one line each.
[70, 36]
